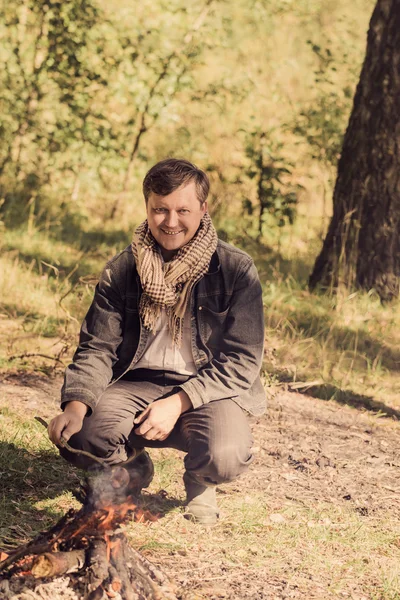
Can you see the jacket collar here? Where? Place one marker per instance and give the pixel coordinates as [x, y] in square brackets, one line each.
[215, 264]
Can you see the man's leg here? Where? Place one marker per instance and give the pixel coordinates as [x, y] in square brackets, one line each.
[106, 431]
[218, 441]
[219, 445]
[216, 436]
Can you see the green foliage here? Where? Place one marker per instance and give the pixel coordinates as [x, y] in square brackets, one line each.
[92, 94]
[276, 196]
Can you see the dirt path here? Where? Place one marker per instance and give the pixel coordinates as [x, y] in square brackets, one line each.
[308, 452]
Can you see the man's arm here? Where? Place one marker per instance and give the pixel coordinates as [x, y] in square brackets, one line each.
[91, 370]
[101, 333]
[236, 363]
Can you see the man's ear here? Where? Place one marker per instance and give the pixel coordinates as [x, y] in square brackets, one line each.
[204, 207]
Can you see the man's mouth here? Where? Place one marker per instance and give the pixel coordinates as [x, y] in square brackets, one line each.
[171, 232]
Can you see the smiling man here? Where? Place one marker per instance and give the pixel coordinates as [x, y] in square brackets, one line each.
[171, 348]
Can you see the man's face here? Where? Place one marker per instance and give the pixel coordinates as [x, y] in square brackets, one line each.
[174, 219]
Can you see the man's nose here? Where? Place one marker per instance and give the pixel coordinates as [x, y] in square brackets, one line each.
[172, 220]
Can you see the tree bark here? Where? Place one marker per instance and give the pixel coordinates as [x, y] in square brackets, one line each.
[362, 246]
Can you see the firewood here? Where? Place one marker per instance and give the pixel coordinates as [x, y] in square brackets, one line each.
[156, 574]
[51, 564]
[116, 583]
[98, 568]
[129, 590]
[40, 543]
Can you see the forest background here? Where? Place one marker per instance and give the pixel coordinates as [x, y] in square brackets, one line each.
[256, 93]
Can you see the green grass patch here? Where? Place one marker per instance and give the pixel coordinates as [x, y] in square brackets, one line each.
[35, 482]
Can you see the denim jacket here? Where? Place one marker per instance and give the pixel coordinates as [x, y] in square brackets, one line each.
[227, 327]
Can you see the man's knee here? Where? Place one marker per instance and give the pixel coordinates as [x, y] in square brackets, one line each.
[221, 463]
[228, 461]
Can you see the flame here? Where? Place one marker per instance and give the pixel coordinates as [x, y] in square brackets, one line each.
[25, 564]
[143, 516]
[100, 520]
[112, 546]
[115, 514]
[89, 522]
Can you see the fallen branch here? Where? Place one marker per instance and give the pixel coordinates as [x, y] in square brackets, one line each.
[33, 354]
[300, 385]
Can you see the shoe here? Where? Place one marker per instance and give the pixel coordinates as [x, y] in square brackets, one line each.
[141, 471]
[201, 501]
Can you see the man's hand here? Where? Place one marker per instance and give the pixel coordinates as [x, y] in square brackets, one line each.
[159, 418]
[68, 422]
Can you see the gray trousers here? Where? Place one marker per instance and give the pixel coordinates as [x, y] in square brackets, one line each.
[216, 436]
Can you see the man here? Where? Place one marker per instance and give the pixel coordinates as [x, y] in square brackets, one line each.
[171, 348]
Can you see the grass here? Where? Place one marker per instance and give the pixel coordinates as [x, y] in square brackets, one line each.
[31, 473]
[320, 542]
[45, 289]
[345, 345]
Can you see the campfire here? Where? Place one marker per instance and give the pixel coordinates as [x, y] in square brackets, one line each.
[89, 549]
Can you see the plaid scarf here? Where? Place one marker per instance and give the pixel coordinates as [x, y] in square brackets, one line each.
[169, 285]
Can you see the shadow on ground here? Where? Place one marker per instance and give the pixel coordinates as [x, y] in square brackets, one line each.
[159, 504]
[26, 479]
[331, 392]
[325, 391]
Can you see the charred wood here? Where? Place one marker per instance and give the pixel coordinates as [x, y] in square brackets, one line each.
[51, 564]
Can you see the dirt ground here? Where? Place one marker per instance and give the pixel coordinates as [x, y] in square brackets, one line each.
[307, 451]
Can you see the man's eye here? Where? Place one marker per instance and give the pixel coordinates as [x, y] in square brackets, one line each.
[159, 210]
[184, 211]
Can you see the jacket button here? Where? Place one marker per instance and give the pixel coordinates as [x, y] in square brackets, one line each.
[200, 308]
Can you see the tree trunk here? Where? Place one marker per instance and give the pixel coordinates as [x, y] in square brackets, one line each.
[362, 246]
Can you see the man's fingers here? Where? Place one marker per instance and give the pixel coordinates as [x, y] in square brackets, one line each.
[55, 429]
[144, 428]
[153, 434]
[142, 416]
[63, 426]
[72, 426]
[66, 433]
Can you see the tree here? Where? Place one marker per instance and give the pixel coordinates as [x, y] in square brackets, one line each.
[362, 246]
[276, 197]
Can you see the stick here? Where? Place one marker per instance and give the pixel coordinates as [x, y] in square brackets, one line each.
[31, 354]
[98, 565]
[41, 543]
[65, 445]
[116, 583]
[40, 548]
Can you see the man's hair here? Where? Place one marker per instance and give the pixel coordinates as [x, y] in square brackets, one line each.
[170, 174]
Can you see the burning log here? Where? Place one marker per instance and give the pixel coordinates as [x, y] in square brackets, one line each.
[51, 564]
[89, 547]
